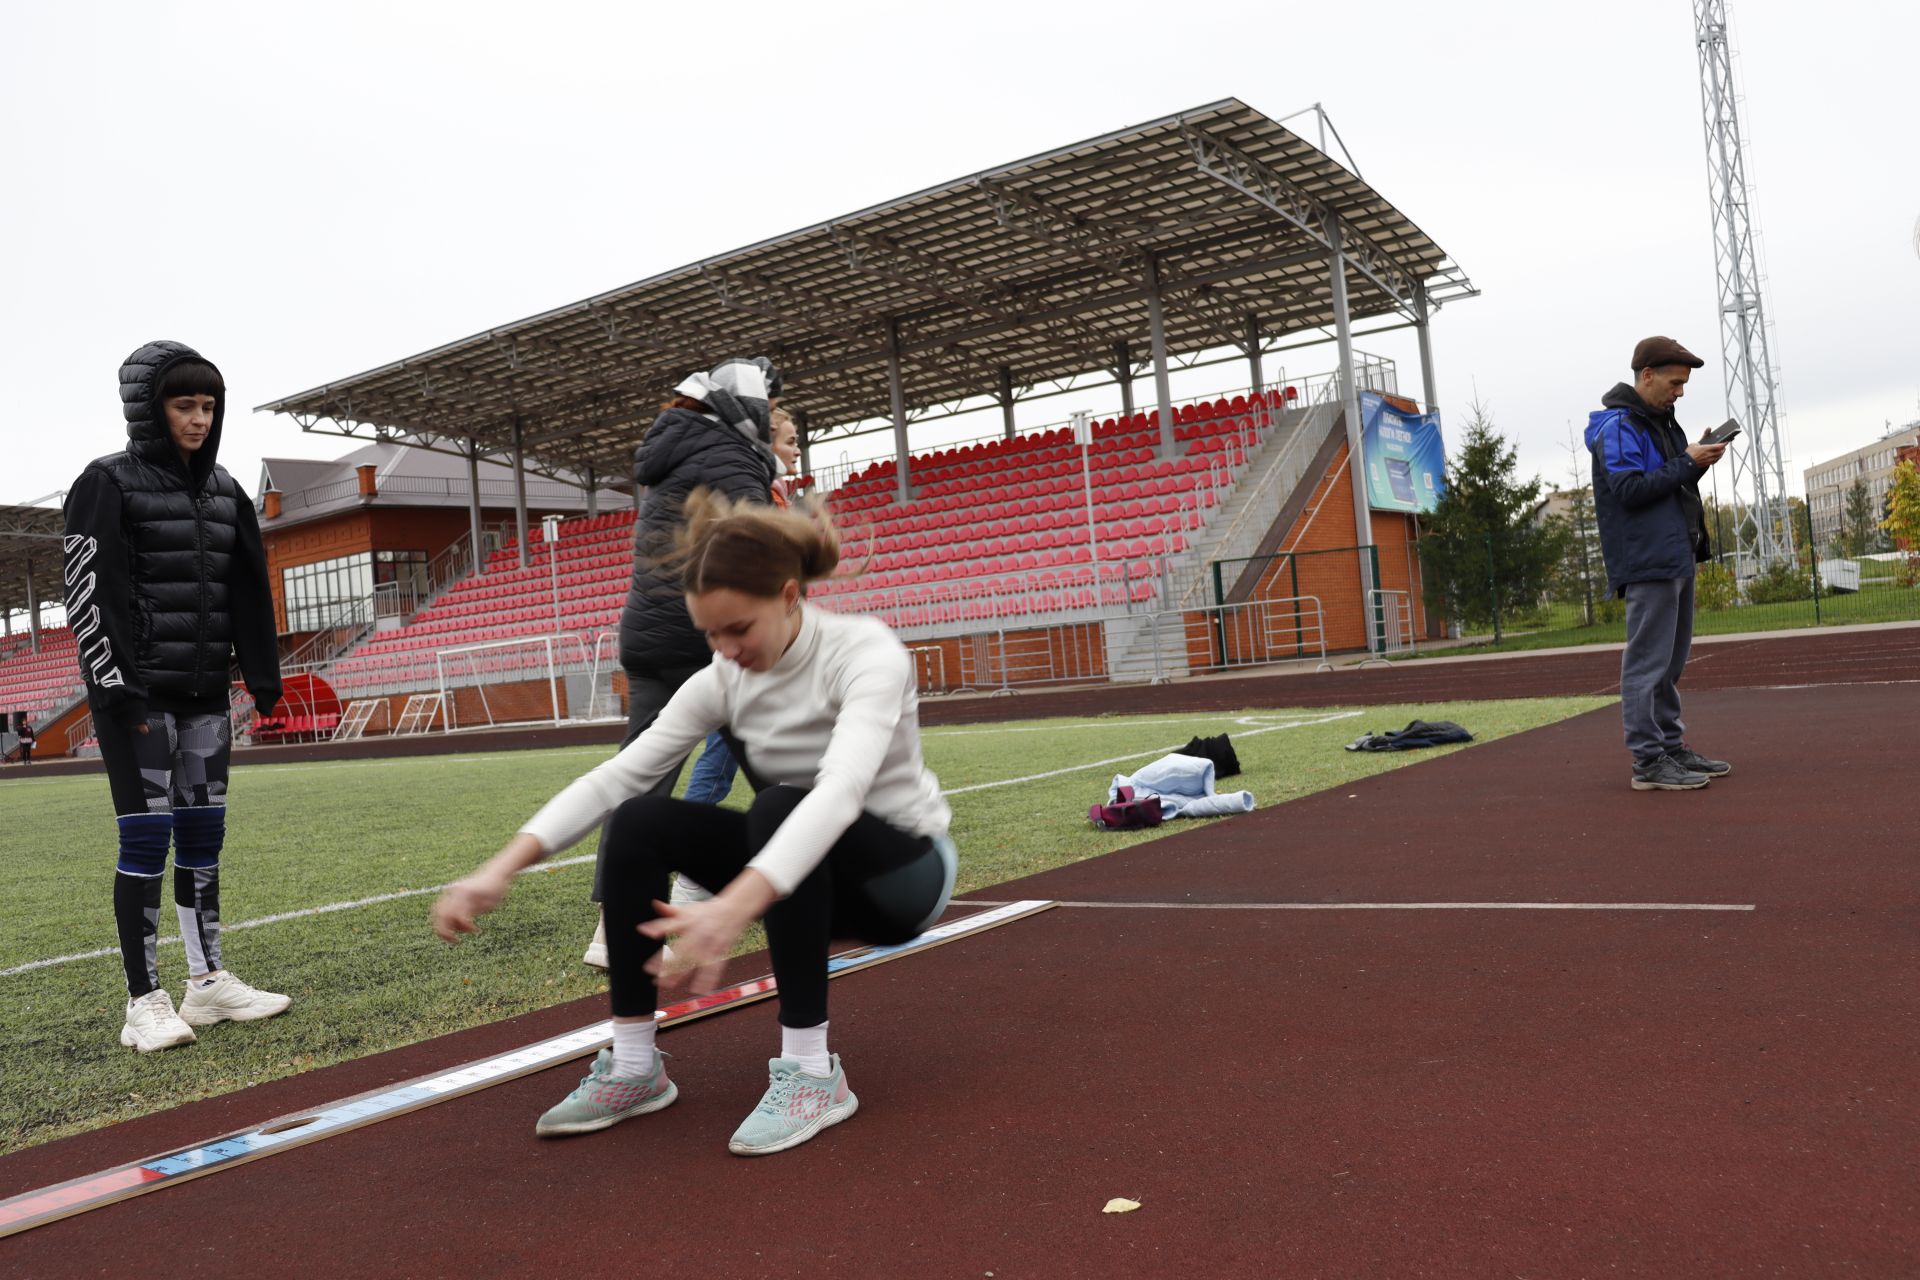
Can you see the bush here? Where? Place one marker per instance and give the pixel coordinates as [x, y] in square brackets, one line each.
[1609, 609]
[1781, 582]
[1714, 588]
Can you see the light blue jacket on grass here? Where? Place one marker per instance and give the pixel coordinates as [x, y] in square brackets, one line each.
[1184, 787]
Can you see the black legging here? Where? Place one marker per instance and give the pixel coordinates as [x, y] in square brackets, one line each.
[648, 692]
[877, 884]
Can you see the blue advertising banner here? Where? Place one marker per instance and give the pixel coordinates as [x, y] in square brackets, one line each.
[1406, 458]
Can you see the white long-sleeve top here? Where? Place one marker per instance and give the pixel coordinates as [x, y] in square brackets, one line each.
[837, 714]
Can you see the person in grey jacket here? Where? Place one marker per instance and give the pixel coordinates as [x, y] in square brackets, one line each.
[1653, 531]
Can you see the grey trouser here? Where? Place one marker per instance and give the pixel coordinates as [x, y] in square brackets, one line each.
[1659, 635]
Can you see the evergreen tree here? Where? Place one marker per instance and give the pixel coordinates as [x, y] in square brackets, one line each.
[1484, 555]
[1857, 525]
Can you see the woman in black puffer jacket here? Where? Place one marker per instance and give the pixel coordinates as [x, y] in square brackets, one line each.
[166, 586]
[715, 433]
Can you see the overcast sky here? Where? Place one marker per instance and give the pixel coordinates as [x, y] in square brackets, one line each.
[307, 191]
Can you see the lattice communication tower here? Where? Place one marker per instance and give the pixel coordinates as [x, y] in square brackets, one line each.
[1755, 457]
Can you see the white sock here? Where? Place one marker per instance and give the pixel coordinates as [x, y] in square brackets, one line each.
[808, 1047]
[633, 1049]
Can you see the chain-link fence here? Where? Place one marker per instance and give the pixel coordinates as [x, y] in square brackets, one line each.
[1730, 596]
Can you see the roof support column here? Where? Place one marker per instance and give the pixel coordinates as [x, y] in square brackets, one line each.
[519, 492]
[1350, 406]
[897, 398]
[1123, 374]
[1006, 400]
[33, 608]
[1157, 325]
[1426, 343]
[473, 499]
[593, 492]
[1253, 354]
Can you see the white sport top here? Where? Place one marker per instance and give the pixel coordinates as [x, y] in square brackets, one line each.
[838, 714]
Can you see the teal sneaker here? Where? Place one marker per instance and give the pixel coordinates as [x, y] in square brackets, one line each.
[604, 1099]
[795, 1107]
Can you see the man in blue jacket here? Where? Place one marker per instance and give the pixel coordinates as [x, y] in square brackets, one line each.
[1653, 531]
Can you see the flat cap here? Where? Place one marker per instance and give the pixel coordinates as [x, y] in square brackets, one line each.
[1652, 353]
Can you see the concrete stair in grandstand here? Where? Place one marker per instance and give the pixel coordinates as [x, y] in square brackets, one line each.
[1154, 645]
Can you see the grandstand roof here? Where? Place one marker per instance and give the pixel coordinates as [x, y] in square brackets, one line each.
[1038, 267]
[30, 533]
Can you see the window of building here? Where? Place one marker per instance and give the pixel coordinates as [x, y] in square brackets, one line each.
[318, 594]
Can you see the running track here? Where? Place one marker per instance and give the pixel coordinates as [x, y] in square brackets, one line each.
[1310, 1093]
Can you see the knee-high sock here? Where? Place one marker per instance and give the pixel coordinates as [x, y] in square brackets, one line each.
[136, 897]
[198, 835]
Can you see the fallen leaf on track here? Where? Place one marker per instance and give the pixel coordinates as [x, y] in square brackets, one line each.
[1118, 1205]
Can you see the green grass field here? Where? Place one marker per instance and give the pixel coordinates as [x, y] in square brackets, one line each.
[370, 977]
[1562, 626]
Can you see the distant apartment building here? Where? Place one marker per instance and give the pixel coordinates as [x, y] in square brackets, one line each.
[1829, 482]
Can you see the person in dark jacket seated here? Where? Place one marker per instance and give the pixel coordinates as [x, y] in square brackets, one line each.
[716, 433]
[1653, 531]
[166, 584]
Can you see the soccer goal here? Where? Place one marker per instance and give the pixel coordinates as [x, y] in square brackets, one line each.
[359, 716]
[510, 681]
[421, 711]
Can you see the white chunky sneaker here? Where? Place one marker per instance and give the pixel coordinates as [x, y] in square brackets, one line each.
[597, 949]
[152, 1024]
[227, 998]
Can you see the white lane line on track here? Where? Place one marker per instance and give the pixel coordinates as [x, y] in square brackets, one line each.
[1386, 906]
[1139, 755]
[328, 909]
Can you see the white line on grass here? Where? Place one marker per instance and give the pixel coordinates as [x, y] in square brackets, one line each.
[287, 915]
[1094, 724]
[570, 862]
[1152, 751]
[1387, 906]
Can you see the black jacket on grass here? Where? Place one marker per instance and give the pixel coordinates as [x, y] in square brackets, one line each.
[681, 452]
[165, 572]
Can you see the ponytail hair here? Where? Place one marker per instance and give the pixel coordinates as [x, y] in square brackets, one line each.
[755, 550]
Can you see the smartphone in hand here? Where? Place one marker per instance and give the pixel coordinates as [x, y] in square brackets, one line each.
[1722, 433]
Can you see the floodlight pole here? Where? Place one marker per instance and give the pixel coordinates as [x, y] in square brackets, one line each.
[473, 499]
[898, 399]
[519, 493]
[1350, 406]
[1426, 343]
[1157, 326]
[550, 534]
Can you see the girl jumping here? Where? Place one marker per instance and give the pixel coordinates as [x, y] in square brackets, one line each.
[846, 837]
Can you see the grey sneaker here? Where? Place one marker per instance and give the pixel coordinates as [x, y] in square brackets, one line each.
[604, 1099]
[1665, 773]
[794, 1108]
[1688, 758]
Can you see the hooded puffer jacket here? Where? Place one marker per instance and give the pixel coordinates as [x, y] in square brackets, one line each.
[681, 452]
[165, 573]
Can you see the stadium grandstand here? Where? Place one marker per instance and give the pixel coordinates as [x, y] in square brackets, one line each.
[1153, 541]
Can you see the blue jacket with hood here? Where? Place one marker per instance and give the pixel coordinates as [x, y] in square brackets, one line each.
[1646, 492]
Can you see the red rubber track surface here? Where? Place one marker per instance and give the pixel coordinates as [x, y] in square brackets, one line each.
[1287, 1093]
